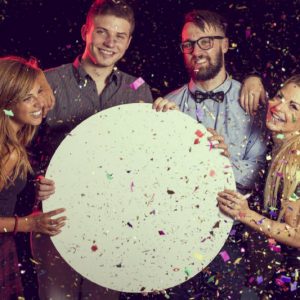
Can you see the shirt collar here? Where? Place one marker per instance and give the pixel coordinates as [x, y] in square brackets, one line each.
[81, 75]
[224, 87]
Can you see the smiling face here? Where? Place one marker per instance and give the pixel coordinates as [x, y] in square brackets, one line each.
[201, 64]
[107, 38]
[284, 111]
[28, 110]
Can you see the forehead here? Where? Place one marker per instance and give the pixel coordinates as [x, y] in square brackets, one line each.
[291, 91]
[112, 23]
[192, 31]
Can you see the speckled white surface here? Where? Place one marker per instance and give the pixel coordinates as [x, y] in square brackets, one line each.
[140, 198]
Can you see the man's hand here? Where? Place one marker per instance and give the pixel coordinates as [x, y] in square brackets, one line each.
[47, 94]
[162, 104]
[44, 188]
[252, 91]
[218, 142]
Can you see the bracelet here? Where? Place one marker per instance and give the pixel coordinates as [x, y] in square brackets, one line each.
[16, 225]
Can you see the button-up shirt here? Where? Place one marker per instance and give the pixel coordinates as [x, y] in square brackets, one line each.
[243, 134]
[77, 99]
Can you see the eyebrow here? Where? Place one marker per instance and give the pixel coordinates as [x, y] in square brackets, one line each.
[107, 30]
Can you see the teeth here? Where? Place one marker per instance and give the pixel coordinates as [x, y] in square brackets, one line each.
[36, 113]
[106, 51]
[275, 117]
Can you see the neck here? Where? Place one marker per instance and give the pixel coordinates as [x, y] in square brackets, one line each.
[98, 73]
[211, 84]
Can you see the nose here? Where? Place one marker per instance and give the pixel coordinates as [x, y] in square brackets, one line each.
[109, 41]
[276, 104]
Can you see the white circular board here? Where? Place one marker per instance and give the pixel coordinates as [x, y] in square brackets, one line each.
[139, 188]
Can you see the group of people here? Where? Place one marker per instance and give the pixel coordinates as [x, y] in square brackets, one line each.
[93, 83]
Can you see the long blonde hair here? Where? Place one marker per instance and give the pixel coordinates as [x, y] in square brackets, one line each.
[17, 77]
[282, 176]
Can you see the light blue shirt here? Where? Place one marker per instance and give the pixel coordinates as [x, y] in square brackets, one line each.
[244, 135]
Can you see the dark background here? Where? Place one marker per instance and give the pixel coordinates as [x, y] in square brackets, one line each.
[50, 31]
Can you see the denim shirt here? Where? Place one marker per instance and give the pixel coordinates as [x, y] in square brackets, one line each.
[244, 135]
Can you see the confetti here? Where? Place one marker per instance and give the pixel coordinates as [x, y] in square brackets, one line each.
[199, 133]
[8, 113]
[196, 141]
[109, 176]
[94, 248]
[198, 256]
[211, 279]
[187, 271]
[225, 256]
[293, 286]
[260, 221]
[137, 83]
[280, 136]
[293, 197]
[170, 192]
[212, 173]
[259, 279]
[131, 186]
[285, 279]
[161, 232]
[237, 261]
[129, 224]
[34, 261]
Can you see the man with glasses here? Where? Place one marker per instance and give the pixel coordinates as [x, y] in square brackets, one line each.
[212, 98]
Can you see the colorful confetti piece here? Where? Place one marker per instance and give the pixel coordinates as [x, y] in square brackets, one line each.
[137, 83]
[8, 113]
[225, 255]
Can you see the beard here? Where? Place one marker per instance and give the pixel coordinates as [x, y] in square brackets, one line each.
[208, 72]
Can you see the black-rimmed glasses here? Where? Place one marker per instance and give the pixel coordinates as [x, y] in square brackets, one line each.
[204, 43]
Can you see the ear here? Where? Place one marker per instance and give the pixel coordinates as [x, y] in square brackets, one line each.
[225, 45]
[129, 41]
[84, 32]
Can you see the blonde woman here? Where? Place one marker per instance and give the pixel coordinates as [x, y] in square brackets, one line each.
[21, 103]
[282, 189]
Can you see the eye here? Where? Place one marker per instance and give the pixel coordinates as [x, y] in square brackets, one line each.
[121, 37]
[294, 106]
[100, 31]
[187, 45]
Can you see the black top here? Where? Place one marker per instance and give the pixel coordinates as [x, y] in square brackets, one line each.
[8, 197]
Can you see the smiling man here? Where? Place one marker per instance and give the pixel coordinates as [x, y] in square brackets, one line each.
[212, 98]
[92, 83]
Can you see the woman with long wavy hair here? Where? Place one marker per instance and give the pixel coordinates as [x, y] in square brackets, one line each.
[282, 190]
[21, 103]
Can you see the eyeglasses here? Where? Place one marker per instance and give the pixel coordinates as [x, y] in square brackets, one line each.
[204, 43]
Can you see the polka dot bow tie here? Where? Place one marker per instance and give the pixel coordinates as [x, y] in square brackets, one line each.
[200, 96]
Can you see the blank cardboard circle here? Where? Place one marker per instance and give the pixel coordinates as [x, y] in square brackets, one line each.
[139, 188]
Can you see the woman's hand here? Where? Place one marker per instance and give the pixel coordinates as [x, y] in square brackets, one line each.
[220, 142]
[233, 204]
[44, 188]
[251, 92]
[45, 223]
[162, 104]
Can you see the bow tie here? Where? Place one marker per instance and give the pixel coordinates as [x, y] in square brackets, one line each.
[200, 96]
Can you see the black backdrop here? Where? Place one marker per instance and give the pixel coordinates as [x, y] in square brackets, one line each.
[50, 31]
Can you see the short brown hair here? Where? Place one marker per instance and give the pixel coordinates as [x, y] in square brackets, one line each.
[118, 8]
[201, 18]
